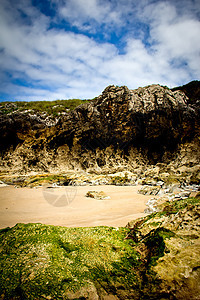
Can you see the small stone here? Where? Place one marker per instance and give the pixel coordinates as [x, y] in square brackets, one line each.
[97, 195]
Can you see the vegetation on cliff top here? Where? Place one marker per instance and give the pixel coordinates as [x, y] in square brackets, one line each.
[49, 107]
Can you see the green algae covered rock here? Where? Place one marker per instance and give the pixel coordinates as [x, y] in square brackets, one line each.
[48, 262]
[156, 257]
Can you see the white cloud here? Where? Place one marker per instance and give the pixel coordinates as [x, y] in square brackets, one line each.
[55, 63]
[88, 15]
[175, 37]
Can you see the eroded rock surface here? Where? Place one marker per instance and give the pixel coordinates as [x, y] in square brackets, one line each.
[134, 130]
[169, 241]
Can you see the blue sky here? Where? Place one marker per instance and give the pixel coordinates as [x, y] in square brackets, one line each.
[61, 49]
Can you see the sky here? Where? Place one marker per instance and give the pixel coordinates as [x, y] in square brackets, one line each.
[64, 49]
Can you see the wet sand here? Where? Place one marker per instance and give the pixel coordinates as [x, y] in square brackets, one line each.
[41, 205]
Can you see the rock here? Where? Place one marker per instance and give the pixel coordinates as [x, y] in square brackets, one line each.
[122, 178]
[110, 297]
[88, 292]
[151, 203]
[192, 90]
[97, 195]
[197, 195]
[157, 204]
[175, 188]
[184, 195]
[160, 183]
[2, 184]
[149, 190]
[192, 188]
[144, 131]
[147, 181]
[175, 230]
[163, 176]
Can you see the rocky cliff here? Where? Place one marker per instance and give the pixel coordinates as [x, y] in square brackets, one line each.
[121, 129]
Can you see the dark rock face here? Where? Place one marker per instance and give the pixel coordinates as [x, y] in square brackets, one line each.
[16, 126]
[152, 118]
[192, 91]
[121, 125]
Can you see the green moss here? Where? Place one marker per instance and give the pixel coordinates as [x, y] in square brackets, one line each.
[35, 180]
[173, 207]
[172, 179]
[178, 205]
[155, 242]
[40, 260]
[48, 178]
[155, 224]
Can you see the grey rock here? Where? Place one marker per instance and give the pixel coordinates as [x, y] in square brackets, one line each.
[149, 190]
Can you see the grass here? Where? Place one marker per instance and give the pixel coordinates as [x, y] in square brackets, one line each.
[49, 107]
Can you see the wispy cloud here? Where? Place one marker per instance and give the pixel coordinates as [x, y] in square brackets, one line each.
[175, 37]
[79, 49]
[90, 16]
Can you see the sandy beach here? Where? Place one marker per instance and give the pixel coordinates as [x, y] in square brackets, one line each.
[68, 206]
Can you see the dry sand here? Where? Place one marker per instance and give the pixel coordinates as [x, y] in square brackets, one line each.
[38, 205]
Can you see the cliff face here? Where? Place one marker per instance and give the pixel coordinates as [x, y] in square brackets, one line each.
[120, 129]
